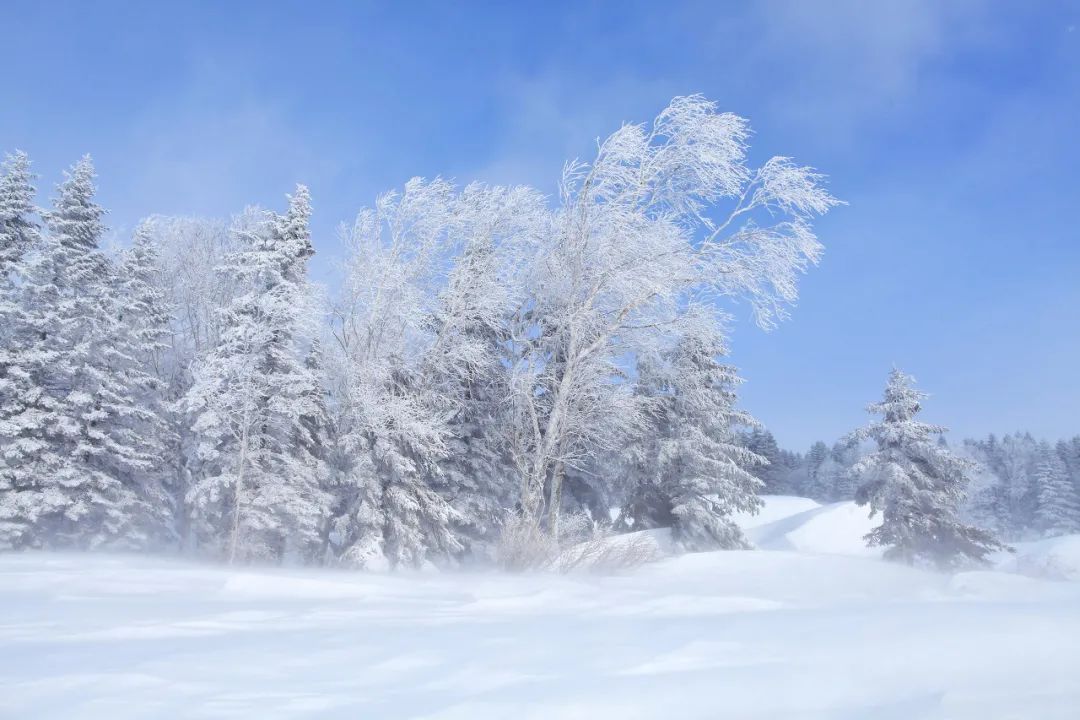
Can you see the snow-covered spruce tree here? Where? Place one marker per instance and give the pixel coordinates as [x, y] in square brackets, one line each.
[666, 213]
[691, 471]
[1017, 461]
[987, 504]
[916, 485]
[481, 291]
[773, 472]
[143, 316]
[392, 427]
[189, 253]
[847, 453]
[19, 230]
[420, 366]
[815, 459]
[19, 233]
[1069, 452]
[827, 478]
[260, 493]
[76, 444]
[1058, 509]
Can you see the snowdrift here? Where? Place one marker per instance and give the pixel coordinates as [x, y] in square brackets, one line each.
[617, 552]
[785, 522]
[797, 524]
[1056, 558]
[775, 507]
[836, 529]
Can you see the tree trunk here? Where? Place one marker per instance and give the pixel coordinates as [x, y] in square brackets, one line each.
[238, 499]
[555, 502]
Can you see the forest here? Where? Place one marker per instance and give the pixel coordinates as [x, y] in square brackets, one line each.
[496, 375]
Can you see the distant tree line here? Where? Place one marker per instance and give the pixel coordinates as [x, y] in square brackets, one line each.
[1021, 487]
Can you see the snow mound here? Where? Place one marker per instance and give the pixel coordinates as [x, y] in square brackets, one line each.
[627, 550]
[617, 552]
[1056, 558]
[776, 507]
[836, 529]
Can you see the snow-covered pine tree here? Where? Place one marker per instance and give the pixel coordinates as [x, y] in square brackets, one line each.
[847, 453]
[143, 342]
[19, 231]
[1019, 454]
[830, 479]
[261, 494]
[815, 458]
[690, 472]
[985, 500]
[476, 474]
[1058, 509]
[318, 436]
[773, 472]
[494, 234]
[74, 454]
[916, 485]
[393, 418]
[189, 253]
[1069, 452]
[389, 514]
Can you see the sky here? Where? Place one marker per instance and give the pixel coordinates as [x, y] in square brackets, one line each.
[949, 128]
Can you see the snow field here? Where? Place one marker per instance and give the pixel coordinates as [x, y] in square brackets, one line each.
[759, 634]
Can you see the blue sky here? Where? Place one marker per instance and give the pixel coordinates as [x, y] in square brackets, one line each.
[949, 128]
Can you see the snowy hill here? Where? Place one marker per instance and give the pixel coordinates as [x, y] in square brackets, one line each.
[748, 635]
[775, 507]
[1056, 558]
[837, 529]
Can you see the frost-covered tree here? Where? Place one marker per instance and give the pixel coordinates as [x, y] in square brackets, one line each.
[916, 485]
[689, 470]
[847, 453]
[392, 426]
[1004, 494]
[143, 319]
[432, 276]
[19, 233]
[815, 458]
[1017, 461]
[19, 230]
[774, 470]
[77, 444]
[481, 291]
[188, 254]
[260, 493]
[1058, 510]
[983, 504]
[665, 213]
[828, 479]
[190, 251]
[1069, 452]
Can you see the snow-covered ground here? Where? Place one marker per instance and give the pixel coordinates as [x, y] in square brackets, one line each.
[815, 628]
